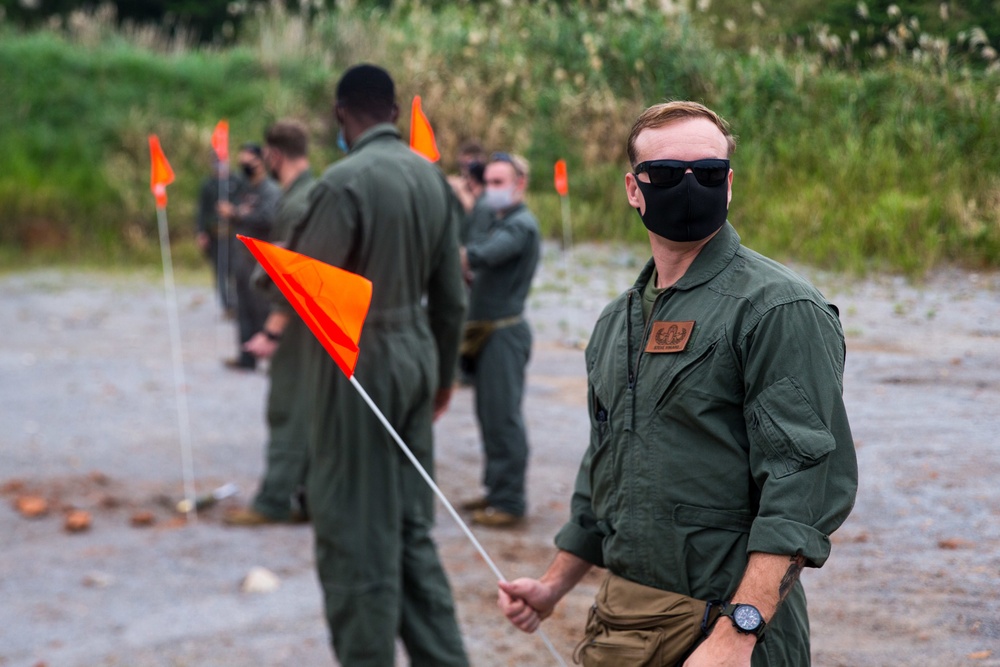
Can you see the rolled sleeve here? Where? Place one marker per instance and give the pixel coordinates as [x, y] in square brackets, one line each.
[581, 542]
[507, 242]
[801, 450]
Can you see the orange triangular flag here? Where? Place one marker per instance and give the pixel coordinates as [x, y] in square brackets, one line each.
[332, 302]
[161, 174]
[421, 135]
[220, 140]
[561, 178]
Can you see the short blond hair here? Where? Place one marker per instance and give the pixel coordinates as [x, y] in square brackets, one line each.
[659, 115]
[522, 168]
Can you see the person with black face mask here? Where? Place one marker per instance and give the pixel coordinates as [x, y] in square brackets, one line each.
[251, 214]
[720, 456]
[283, 339]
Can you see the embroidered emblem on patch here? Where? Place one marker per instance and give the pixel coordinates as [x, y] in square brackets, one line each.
[666, 337]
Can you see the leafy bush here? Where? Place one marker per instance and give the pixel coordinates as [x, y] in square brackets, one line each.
[894, 165]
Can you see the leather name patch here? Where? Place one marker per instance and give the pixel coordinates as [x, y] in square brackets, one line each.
[667, 337]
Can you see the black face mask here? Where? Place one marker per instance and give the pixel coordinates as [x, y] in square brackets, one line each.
[688, 211]
[249, 169]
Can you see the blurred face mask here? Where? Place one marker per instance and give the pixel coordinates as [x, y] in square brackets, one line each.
[342, 142]
[498, 199]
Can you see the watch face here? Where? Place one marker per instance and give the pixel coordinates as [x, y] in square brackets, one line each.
[747, 617]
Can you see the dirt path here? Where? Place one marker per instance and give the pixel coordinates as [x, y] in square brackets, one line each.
[89, 420]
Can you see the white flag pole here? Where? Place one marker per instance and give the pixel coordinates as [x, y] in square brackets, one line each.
[444, 500]
[180, 385]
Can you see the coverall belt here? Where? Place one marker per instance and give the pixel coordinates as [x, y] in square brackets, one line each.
[477, 332]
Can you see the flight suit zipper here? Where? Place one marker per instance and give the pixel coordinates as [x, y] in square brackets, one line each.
[633, 373]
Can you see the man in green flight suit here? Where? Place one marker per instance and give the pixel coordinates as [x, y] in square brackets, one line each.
[283, 339]
[207, 229]
[497, 344]
[251, 214]
[720, 457]
[386, 213]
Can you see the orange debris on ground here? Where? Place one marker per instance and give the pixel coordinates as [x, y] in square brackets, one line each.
[31, 506]
[77, 521]
[143, 518]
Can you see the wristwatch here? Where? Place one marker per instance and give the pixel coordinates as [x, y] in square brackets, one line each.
[746, 619]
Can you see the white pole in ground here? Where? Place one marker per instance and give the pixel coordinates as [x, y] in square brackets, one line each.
[444, 500]
[180, 385]
[567, 226]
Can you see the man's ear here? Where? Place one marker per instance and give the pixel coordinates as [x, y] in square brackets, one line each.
[633, 193]
[394, 116]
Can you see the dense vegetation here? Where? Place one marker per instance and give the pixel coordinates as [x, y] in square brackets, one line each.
[854, 153]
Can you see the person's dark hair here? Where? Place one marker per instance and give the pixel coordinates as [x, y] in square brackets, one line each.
[367, 90]
[472, 149]
[252, 147]
[289, 137]
[477, 172]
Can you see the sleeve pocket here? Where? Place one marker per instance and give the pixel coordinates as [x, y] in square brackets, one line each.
[790, 433]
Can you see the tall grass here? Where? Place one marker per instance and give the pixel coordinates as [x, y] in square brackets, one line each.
[895, 166]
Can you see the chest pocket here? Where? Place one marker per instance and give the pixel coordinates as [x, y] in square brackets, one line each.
[707, 372]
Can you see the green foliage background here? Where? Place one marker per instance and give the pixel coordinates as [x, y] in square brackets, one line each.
[852, 155]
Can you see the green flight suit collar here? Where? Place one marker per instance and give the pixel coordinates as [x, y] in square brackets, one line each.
[510, 212]
[375, 133]
[300, 180]
[710, 262]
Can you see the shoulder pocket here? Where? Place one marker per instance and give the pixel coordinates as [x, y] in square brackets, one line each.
[785, 426]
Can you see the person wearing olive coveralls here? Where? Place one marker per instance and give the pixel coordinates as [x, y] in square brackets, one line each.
[720, 456]
[207, 229]
[251, 214]
[503, 259]
[283, 338]
[388, 214]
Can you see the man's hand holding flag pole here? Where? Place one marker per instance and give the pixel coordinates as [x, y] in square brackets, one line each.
[334, 303]
[161, 175]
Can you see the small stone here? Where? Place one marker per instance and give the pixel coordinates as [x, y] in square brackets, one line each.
[955, 543]
[260, 580]
[77, 521]
[142, 519]
[32, 506]
[98, 580]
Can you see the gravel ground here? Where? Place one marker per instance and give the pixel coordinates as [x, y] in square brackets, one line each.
[89, 421]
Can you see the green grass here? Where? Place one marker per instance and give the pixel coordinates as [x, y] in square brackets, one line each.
[888, 165]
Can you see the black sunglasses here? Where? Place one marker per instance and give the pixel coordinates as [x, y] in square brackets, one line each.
[710, 172]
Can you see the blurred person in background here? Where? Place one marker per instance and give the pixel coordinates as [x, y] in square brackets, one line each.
[207, 230]
[283, 339]
[251, 214]
[388, 214]
[502, 259]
